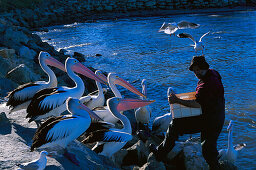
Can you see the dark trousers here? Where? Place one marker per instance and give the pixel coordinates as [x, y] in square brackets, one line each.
[210, 127]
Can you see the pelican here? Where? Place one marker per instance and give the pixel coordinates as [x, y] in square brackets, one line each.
[171, 28]
[60, 131]
[38, 164]
[230, 154]
[114, 79]
[161, 123]
[198, 45]
[51, 102]
[20, 97]
[98, 100]
[143, 114]
[112, 140]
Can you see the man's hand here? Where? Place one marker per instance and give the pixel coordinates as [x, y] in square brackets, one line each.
[172, 98]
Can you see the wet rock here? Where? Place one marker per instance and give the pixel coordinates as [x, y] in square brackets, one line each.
[79, 56]
[22, 74]
[3, 118]
[152, 163]
[98, 55]
[6, 85]
[5, 66]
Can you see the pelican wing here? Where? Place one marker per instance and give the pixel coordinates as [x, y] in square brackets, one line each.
[203, 36]
[107, 136]
[54, 130]
[45, 103]
[100, 125]
[185, 35]
[22, 94]
[186, 24]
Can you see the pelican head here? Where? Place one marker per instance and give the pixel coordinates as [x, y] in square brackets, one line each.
[122, 104]
[49, 60]
[118, 80]
[43, 154]
[75, 106]
[81, 69]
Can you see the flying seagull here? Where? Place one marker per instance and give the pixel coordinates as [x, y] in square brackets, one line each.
[198, 45]
[171, 28]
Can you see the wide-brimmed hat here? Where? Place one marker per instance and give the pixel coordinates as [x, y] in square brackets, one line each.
[200, 62]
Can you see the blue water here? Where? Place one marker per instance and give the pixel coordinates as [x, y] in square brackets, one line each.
[135, 49]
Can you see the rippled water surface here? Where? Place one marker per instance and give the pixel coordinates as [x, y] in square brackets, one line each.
[135, 49]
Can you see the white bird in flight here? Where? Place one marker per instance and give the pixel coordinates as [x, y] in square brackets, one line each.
[198, 45]
[171, 28]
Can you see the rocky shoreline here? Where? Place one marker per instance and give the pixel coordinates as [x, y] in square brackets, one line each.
[19, 49]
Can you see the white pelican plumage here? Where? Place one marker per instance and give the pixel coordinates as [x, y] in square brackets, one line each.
[60, 131]
[38, 164]
[20, 98]
[230, 154]
[114, 79]
[112, 140]
[98, 100]
[51, 102]
[198, 45]
[161, 123]
[143, 114]
[171, 28]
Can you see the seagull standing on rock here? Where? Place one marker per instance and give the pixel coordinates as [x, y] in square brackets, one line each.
[38, 164]
[171, 28]
[198, 45]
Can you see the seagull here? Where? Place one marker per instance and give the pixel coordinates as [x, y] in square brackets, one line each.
[161, 123]
[51, 102]
[143, 114]
[60, 131]
[20, 97]
[111, 140]
[38, 164]
[171, 28]
[230, 154]
[198, 45]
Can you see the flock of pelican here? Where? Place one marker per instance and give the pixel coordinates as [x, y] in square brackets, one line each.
[45, 101]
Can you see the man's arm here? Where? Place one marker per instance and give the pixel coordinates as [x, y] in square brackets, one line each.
[189, 103]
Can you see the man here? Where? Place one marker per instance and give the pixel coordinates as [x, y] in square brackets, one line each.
[210, 97]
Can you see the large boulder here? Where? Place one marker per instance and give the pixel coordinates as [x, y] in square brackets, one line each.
[5, 66]
[22, 74]
[26, 53]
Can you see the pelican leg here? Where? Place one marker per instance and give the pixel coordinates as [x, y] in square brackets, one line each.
[71, 157]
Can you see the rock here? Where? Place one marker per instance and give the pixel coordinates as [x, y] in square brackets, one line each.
[119, 156]
[6, 85]
[27, 53]
[193, 158]
[137, 155]
[98, 55]
[14, 36]
[5, 66]
[22, 74]
[7, 53]
[153, 164]
[79, 57]
[3, 118]
[63, 51]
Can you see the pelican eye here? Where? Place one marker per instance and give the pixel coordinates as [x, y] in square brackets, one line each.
[117, 77]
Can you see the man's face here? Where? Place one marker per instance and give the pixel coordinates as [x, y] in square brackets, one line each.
[199, 73]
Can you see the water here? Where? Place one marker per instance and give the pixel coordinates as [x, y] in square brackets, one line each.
[135, 49]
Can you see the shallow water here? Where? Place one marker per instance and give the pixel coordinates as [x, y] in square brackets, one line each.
[135, 49]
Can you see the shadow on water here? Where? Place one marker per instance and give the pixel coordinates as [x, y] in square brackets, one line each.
[25, 133]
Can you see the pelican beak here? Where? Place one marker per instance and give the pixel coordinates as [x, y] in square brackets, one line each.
[55, 63]
[81, 69]
[128, 104]
[104, 78]
[93, 116]
[128, 86]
